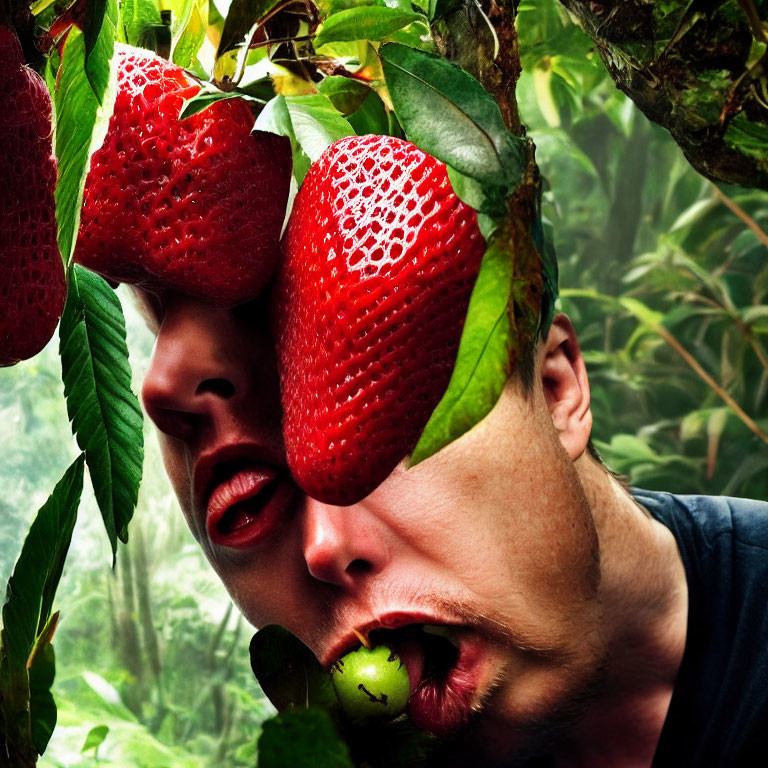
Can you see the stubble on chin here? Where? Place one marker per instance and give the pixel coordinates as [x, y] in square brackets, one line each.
[522, 745]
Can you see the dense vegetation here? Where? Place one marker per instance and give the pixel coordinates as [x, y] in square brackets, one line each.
[666, 278]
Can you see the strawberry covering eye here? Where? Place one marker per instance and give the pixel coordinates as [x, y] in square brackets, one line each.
[193, 205]
[379, 261]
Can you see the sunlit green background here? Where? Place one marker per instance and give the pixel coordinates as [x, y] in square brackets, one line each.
[153, 649]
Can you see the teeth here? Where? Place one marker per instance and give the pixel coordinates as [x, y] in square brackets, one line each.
[445, 632]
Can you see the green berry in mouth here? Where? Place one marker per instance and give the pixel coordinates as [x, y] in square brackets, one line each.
[371, 683]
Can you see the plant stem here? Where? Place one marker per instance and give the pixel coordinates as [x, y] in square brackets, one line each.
[694, 364]
[742, 214]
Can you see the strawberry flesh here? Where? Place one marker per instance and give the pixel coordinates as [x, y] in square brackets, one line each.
[32, 282]
[193, 205]
[379, 261]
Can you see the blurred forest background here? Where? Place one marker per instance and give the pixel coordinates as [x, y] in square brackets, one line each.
[665, 276]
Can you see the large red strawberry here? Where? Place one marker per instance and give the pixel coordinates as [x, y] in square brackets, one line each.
[195, 205]
[32, 283]
[378, 265]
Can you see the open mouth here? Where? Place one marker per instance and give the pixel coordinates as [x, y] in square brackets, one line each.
[441, 662]
[245, 503]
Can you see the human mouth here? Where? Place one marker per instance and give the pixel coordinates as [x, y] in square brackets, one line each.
[243, 501]
[444, 664]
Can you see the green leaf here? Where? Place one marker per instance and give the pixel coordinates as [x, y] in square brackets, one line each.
[137, 17]
[42, 707]
[288, 672]
[367, 22]
[302, 738]
[316, 123]
[439, 9]
[447, 113]
[311, 122]
[275, 118]
[209, 95]
[95, 737]
[242, 15]
[483, 360]
[105, 413]
[346, 93]
[83, 102]
[30, 594]
[371, 117]
[188, 32]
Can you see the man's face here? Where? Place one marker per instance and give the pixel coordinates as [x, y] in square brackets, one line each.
[492, 537]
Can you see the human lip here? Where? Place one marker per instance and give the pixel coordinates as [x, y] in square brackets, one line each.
[241, 493]
[445, 663]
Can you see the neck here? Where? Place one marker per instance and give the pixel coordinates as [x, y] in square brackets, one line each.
[644, 593]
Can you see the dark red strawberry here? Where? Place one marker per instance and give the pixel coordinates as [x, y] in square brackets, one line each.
[194, 205]
[378, 265]
[32, 283]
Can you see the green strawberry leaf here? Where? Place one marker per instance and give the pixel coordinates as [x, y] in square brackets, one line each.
[209, 94]
[105, 413]
[83, 108]
[275, 118]
[302, 738]
[137, 18]
[483, 361]
[346, 93]
[447, 113]
[371, 117]
[312, 124]
[367, 22]
[188, 32]
[316, 123]
[26, 613]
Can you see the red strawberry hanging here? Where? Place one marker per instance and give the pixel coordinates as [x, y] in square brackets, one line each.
[193, 205]
[32, 282]
[379, 261]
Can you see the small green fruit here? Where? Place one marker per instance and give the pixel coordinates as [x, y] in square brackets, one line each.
[371, 683]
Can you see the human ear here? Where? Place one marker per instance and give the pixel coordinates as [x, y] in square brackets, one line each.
[566, 387]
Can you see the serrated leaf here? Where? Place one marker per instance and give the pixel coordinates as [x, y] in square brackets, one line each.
[483, 360]
[30, 593]
[36, 576]
[302, 738]
[367, 22]
[83, 103]
[447, 113]
[104, 411]
[188, 32]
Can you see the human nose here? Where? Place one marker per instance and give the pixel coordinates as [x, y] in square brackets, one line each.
[342, 545]
[191, 374]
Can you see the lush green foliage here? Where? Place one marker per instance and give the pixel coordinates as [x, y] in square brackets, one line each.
[665, 277]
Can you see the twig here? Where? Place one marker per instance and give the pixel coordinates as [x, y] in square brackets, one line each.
[691, 360]
[742, 214]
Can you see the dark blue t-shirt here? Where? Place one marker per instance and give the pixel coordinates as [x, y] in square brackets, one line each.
[718, 715]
